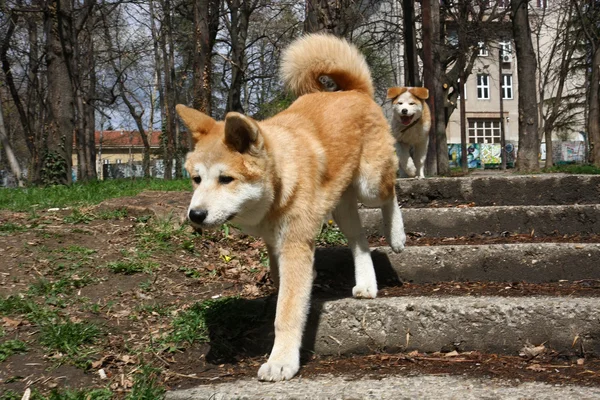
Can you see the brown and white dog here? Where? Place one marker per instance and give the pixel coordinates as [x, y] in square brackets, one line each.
[280, 177]
[411, 121]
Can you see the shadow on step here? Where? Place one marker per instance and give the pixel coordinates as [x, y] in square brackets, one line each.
[240, 328]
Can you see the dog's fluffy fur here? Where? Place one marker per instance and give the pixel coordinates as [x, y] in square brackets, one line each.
[411, 121]
[280, 177]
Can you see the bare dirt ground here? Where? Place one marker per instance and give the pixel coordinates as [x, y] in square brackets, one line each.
[130, 268]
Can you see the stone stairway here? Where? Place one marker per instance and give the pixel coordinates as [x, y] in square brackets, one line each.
[544, 206]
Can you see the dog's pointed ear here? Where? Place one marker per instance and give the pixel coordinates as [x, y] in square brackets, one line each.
[197, 122]
[243, 134]
[420, 92]
[394, 92]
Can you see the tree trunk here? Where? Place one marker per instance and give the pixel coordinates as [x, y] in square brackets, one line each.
[529, 142]
[411, 75]
[56, 159]
[593, 122]
[25, 115]
[206, 24]
[429, 34]
[239, 12]
[168, 98]
[12, 160]
[441, 141]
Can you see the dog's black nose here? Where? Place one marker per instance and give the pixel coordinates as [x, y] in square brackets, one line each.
[198, 216]
[404, 111]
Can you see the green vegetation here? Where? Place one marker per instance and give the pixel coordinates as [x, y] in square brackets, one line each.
[69, 394]
[146, 386]
[82, 194]
[8, 227]
[331, 235]
[68, 337]
[11, 347]
[574, 169]
[131, 266]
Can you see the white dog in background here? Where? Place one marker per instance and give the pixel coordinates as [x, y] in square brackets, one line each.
[411, 121]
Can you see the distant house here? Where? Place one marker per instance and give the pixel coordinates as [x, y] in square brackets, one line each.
[121, 147]
[118, 147]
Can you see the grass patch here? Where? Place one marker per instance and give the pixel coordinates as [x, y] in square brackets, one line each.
[119, 213]
[574, 169]
[68, 337]
[11, 347]
[164, 234]
[55, 394]
[146, 386]
[83, 194]
[78, 217]
[65, 285]
[9, 228]
[14, 305]
[331, 235]
[130, 267]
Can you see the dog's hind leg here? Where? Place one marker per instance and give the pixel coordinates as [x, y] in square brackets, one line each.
[406, 162]
[393, 223]
[347, 218]
[420, 153]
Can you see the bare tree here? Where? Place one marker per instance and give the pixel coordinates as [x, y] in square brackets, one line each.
[56, 158]
[529, 142]
[206, 25]
[588, 13]
[556, 106]
[12, 160]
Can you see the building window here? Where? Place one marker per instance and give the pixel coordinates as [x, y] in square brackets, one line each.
[483, 87]
[542, 3]
[483, 51]
[507, 89]
[484, 130]
[118, 161]
[506, 48]
[502, 3]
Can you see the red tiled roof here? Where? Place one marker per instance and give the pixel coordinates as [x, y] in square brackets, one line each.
[125, 138]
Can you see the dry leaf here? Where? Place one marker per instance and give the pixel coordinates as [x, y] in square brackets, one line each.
[535, 367]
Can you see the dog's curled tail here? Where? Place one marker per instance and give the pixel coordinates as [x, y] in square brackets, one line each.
[324, 63]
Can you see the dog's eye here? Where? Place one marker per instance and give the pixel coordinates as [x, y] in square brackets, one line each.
[412, 104]
[197, 180]
[224, 180]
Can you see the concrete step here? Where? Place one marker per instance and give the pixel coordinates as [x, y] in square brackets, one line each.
[500, 190]
[388, 388]
[489, 324]
[451, 222]
[536, 263]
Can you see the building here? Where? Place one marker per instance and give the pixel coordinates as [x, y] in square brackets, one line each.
[493, 85]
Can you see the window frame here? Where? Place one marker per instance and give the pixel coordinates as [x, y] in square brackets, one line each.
[507, 87]
[484, 130]
[483, 88]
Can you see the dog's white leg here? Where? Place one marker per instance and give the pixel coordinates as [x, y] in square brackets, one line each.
[393, 224]
[346, 216]
[293, 301]
[406, 162]
[420, 153]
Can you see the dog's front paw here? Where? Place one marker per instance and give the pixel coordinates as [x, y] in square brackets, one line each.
[277, 371]
[364, 291]
[397, 242]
